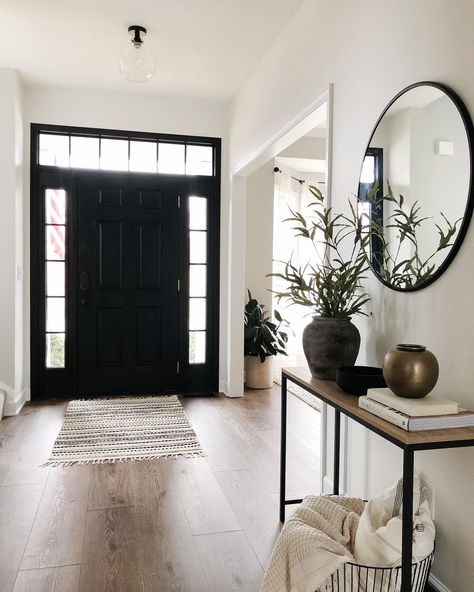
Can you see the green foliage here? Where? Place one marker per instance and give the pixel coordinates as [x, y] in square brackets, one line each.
[406, 224]
[331, 288]
[56, 350]
[262, 337]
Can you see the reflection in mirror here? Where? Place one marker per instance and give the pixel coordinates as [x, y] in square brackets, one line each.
[414, 186]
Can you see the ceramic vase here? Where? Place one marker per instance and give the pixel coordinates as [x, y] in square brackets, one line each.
[329, 344]
[258, 375]
[410, 370]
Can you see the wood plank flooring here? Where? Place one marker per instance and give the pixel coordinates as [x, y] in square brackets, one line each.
[186, 525]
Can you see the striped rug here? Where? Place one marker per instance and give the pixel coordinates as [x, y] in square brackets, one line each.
[124, 428]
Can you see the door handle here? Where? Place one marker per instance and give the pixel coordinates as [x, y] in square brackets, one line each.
[84, 281]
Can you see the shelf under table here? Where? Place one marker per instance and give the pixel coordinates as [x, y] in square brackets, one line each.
[330, 393]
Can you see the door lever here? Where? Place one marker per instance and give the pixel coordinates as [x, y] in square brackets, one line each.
[84, 281]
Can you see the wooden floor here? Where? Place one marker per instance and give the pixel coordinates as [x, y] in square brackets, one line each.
[205, 524]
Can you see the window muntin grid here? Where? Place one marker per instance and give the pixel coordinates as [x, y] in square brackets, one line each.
[55, 230]
[198, 272]
[125, 154]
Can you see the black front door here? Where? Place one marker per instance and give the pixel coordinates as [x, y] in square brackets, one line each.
[127, 265]
[124, 265]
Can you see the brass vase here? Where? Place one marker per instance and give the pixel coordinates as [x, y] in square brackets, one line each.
[410, 370]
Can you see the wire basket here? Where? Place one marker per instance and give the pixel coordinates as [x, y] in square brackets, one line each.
[352, 577]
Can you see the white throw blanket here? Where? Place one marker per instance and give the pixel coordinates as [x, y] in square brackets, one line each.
[313, 544]
[379, 535]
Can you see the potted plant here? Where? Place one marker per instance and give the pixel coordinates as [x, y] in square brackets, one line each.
[330, 286]
[262, 340]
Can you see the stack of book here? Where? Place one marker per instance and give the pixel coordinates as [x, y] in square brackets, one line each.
[429, 413]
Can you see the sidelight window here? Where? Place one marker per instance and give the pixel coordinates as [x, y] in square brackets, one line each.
[198, 272]
[55, 273]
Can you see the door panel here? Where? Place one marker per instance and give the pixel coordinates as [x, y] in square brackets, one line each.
[128, 309]
[149, 331]
[149, 256]
[109, 255]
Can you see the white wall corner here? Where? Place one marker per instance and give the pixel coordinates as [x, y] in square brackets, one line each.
[437, 585]
[327, 484]
[236, 291]
[223, 388]
[14, 401]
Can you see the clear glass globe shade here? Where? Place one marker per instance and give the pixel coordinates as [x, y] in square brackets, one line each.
[136, 63]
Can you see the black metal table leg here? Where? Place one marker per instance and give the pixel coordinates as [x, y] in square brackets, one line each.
[337, 450]
[283, 447]
[407, 519]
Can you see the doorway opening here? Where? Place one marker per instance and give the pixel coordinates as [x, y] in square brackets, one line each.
[300, 166]
[275, 189]
[253, 190]
[124, 262]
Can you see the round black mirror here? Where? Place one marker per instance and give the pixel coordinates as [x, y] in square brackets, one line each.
[415, 194]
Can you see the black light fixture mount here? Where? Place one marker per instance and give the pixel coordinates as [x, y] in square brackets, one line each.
[136, 31]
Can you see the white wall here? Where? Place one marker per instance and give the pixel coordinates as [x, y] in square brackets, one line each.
[440, 183]
[370, 50]
[127, 111]
[259, 233]
[11, 236]
[135, 112]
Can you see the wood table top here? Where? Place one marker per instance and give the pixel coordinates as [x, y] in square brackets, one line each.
[329, 392]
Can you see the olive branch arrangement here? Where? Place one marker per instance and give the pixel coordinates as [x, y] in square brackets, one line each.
[414, 270]
[331, 287]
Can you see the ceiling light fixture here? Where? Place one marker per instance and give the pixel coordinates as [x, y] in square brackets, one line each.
[136, 61]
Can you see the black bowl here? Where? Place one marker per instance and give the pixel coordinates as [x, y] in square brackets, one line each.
[355, 380]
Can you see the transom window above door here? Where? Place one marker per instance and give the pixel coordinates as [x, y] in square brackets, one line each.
[125, 154]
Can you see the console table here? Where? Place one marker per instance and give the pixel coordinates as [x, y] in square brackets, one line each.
[328, 392]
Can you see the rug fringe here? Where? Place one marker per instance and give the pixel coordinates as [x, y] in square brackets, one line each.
[126, 397]
[103, 461]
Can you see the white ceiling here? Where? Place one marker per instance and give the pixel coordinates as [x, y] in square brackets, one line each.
[416, 98]
[302, 165]
[203, 48]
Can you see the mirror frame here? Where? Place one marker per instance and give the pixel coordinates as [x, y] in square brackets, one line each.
[468, 211]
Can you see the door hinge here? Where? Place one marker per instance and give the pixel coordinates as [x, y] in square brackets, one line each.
[179, 201]
[179, 285]
[177, 367]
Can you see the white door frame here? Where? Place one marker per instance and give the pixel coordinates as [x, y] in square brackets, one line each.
[300, 125]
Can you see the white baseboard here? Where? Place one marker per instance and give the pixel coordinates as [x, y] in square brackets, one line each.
[232, 396]
[328, 486]
[437, 585]
[14, 402]
[225, 389]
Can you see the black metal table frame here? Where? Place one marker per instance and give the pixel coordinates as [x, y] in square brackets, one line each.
[408, 467]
